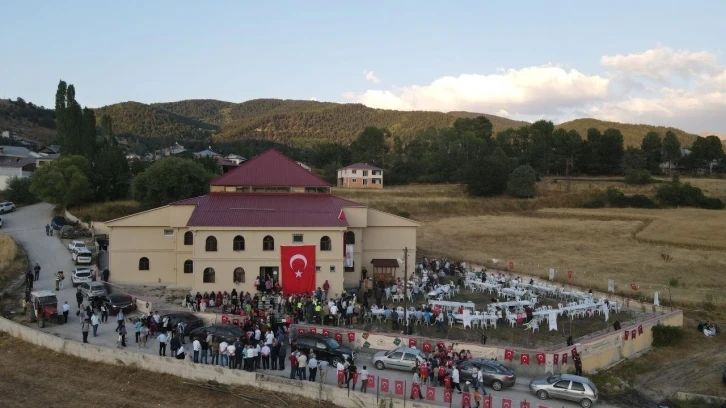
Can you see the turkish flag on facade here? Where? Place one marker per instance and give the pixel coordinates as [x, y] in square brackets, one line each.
[326, 332]
[541, 358]
[524, 359]
[564, 358]
[509, 354]
[384, 385]
[412, 342]
[399, 387]
[555, 359]
[351, 337]
[506, 403]
[625, 335]
[339, 337]
[427, 347]
[300, 332]
[574, 352]
[371, 381]
[640, 329]
[431, 393]
[632, 334]
[298, 268]
[447, 396]
[313, 330]
[465, 400]
[524, 404]
[487, 401]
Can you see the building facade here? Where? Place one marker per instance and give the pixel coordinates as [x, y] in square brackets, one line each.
[360, 175]
[232, 236]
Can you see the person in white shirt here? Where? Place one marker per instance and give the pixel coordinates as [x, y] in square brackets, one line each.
[258, 334]
[455, 379]
[94, 323]
[479, 380]
[312, 368]
[230, 354]
[302, 366]
[66, 311]
[223, 357]
[180, 353]
[334, 310]
[265, 352]
[269, 337]
[364, 380]
[323, 369]
[196, 346]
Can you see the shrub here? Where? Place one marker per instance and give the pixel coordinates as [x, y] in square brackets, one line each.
[522, 182]
[18, 191]
[712, 203]
[636, 201]
[638, 177]
[667, 336]
[687, 195]
[596, 203]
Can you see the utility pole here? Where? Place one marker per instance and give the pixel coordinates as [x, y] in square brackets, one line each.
[405, 291]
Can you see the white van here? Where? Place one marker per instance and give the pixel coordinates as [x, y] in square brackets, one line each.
[82, 255]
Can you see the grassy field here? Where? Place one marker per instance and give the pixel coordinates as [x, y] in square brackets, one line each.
[12, 259]
[105, 211]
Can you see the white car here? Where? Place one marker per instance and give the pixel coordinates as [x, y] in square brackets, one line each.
[76, 244]
[7, 207]
[80, 275]
[82, 255]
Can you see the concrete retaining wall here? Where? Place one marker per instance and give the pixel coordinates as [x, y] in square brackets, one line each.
[685, 396]
[596, 353]
[199, 372]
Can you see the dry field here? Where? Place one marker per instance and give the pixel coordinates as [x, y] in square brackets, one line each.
[39, 377]
[12, 259]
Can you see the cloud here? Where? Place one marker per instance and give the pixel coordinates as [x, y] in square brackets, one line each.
[659, 86]
[313, 98]
[371, 77]
[661, 63]
[532, 90]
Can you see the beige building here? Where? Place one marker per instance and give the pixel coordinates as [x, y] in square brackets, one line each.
[360, 175]
[228, 238]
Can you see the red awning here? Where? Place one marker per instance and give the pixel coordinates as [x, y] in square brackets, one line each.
[385, 263]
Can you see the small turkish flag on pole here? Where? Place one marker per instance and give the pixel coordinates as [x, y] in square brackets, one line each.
[508, 354]
[371, 381]
[541, 358]
[385, 385]
[506, 403]
[447, 395]
[487, 401]
[399, 387]
[431, 393]
[524, 359]
[466, 400]
[524, 404]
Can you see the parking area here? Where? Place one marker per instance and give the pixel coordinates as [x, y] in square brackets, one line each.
[27, 226]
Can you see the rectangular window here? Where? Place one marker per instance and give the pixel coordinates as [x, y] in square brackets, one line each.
[365, 182]
[332, 268]
[297, 238]
[355, 180]
[168, 232]
[365, 173]
[354, 171]
[318, 269]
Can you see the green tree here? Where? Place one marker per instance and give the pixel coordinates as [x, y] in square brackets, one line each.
[60, 115]
[106, 126]
[111, 176]
[671, 149]
[592, 155]
[611, 151]
[706, 151]
[489, 175]
[370, 146]
[522, 182]
[652, 147]
[634, 159]
[87, 140]
[18, 191]
[541, 148]
[170, 179]
[63, 181]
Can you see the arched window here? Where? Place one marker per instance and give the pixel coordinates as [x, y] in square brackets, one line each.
[325, 244]
[208, 275]
[350, 238]
[144, 264]
[211, 245]
[188, 238]
[188, 266]
[268, 243]
[239, 275]
[238, 243]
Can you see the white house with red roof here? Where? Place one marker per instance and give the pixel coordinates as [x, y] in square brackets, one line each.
[254, 215]
[360, 175]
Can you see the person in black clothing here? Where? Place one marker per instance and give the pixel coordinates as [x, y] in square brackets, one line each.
[570, 341]
[281, 357]
[578, 365]
[79, 297]
[37, 271]
[616, 325]
[174, 343]
[352, 370]
[274, 354]
[106, 272]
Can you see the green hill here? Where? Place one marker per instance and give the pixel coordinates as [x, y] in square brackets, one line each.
[27, 120]
[633, 134]
[499, 122]
[139, 119]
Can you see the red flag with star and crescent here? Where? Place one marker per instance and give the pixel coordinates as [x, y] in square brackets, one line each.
[466, 400]
[384, 385]
[431, 393]
[524, 404]
[487, 401]
[506, 403]
[298, 268]
[399, 387]
[447, 395]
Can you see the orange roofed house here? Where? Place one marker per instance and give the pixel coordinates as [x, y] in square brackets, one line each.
[252, 219]
[360, 175]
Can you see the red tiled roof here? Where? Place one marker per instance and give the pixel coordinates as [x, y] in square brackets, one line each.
[267, 210]
[270, 169]
[385, 263]
[361, 166]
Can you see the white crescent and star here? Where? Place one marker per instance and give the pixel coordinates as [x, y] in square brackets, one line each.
[298, 273]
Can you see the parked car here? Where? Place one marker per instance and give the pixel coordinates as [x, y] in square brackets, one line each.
[117, 302]
[1, 222]
[58, 222]
[566, 387]
[226, 332]
[80, 275]
[401, 358]
[7, 207]
[325, 348]
[495, 375]
[192, 321]
[76, 244]
[82, 256]
[93, 289]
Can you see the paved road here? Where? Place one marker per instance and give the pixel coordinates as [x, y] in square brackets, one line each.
[27, 226]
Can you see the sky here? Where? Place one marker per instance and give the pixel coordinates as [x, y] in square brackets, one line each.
[656, 62]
